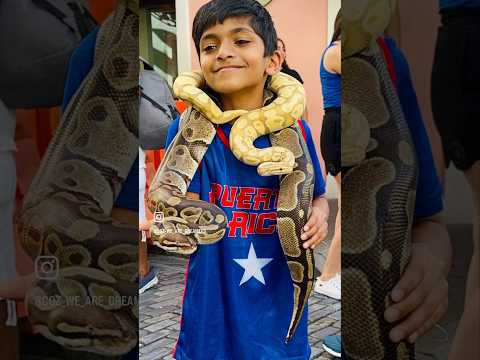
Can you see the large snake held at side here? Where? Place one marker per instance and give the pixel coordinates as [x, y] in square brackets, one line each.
[378, 195]
[90, 305]
[187, 223]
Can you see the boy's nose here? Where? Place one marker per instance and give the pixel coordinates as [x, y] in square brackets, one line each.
[225, 51]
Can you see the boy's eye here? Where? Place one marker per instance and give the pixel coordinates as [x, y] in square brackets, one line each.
[209, 48]
[242, 42]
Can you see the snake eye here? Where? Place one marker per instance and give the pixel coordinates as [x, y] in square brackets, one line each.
[188, 132]
[180, 152]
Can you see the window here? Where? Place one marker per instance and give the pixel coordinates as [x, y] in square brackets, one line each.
[158, 45]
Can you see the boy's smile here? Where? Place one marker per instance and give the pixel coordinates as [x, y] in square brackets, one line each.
[233, 63]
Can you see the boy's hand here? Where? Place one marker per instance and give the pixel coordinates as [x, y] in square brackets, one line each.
[420, 298]
[316, 228]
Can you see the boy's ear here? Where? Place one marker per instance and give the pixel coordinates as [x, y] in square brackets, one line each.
[274, 63]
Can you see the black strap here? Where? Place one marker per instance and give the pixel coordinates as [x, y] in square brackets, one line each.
[83, 18]
[54, 11]
[170, 111]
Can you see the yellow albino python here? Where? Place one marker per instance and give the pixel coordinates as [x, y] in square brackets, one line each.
[280, 114]
[91, 304]
[187, 222]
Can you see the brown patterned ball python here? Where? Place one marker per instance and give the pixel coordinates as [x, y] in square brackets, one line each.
[90, 305]
[378, 188]
[187, 223]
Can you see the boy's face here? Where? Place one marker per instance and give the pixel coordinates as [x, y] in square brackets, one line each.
[232, 57]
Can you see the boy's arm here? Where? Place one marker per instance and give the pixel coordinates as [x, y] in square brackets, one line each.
[421, 296]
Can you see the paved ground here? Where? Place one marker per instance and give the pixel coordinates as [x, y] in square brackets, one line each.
[160, 307]
[160, 310]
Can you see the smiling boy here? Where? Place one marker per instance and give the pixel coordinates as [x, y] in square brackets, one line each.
[238, 294]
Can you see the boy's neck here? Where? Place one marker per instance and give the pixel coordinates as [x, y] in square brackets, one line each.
[248, 99]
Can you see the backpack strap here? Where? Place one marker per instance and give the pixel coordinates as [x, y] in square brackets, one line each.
[173, 112]
[83, 18]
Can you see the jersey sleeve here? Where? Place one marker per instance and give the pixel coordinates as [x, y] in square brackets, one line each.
[429, 199]
[319, 188]
[194, 186]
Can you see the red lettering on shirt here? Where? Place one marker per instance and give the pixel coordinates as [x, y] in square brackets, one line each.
[262, 196]
[244, 199]
[239, 221]
[228, 197]
[215, 192]
[252, 221]
[260, 227]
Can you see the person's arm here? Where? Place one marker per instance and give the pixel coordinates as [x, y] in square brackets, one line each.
[432, 232]
[17, 288]
[333, 59]
[316, 228]
[194, 187]
[421, 296]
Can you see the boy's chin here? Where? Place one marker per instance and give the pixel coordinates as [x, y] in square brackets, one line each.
[227, 86]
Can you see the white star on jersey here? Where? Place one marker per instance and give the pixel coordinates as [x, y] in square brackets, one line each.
[252, 266]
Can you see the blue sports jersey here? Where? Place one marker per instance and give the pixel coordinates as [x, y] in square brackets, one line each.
[80, 64]
[238, 294]
[449, 4]
[429, 190]
[331, 85]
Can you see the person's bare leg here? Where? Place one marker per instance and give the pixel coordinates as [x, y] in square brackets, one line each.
[333, 263]
[466, 342]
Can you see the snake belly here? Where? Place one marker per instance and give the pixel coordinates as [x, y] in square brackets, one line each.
[186, 222]
[293, 211]
[90, 304]
[379, 196]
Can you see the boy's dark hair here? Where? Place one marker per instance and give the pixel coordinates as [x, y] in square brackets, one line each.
[216, 11]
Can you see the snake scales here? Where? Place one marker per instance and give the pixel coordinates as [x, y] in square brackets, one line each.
[91, 304]
[378, 189]
[187, 223]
